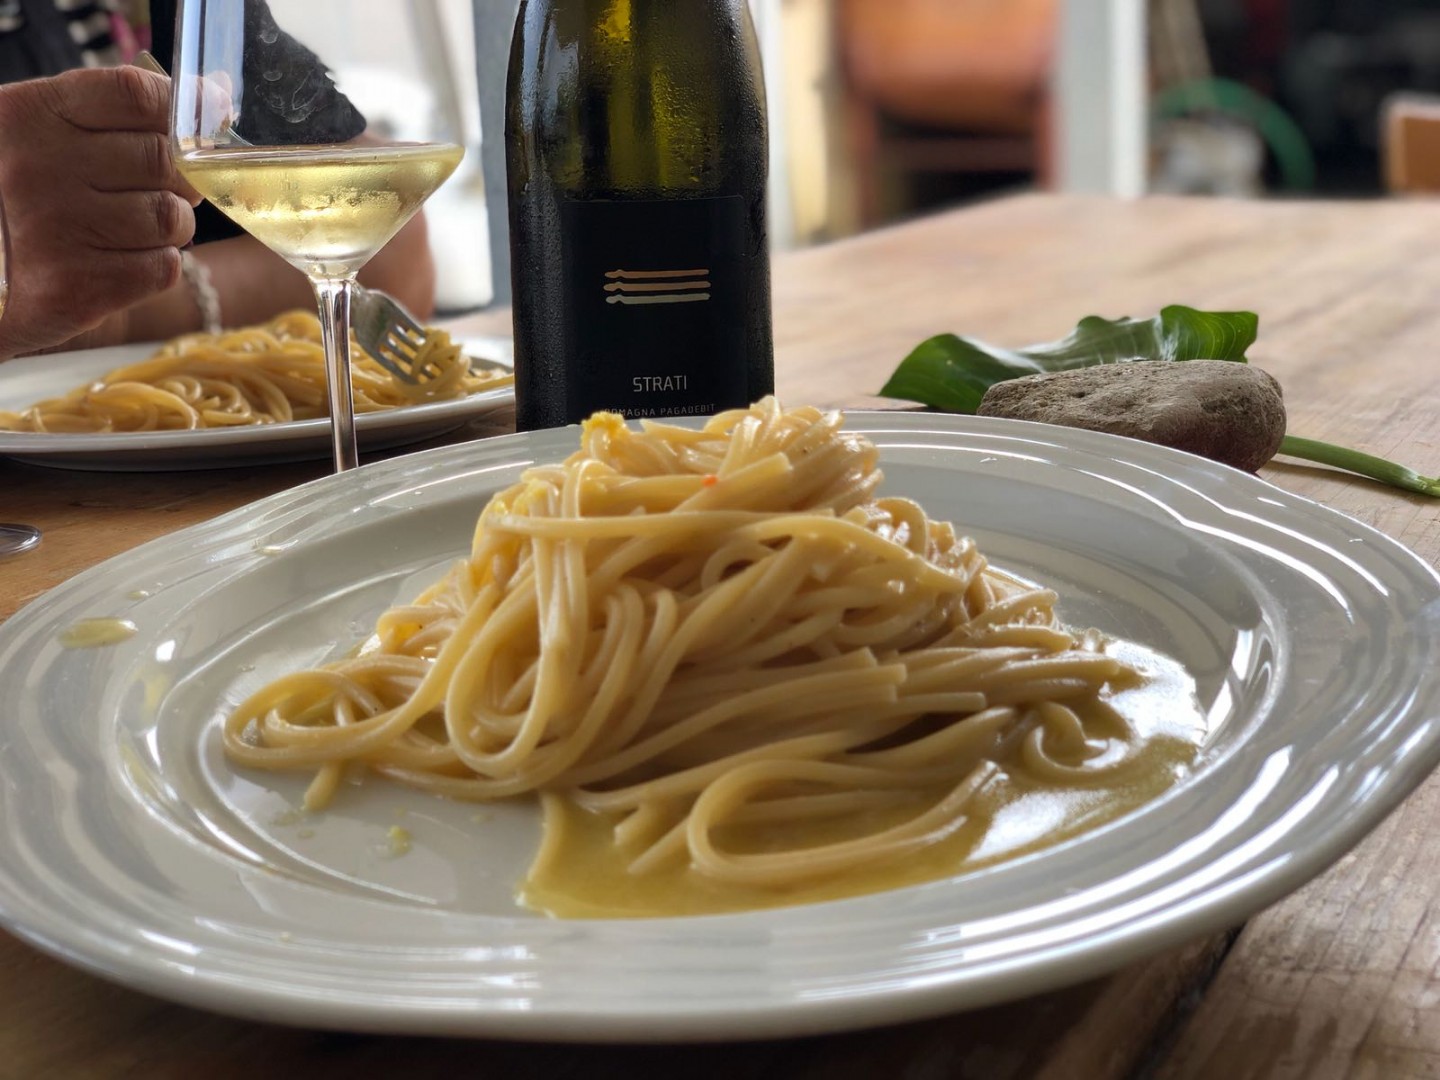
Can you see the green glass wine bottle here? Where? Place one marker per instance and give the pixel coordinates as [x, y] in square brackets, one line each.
[637, 158]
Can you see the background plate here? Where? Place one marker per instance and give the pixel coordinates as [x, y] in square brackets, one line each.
[133, 849]
[29, 379]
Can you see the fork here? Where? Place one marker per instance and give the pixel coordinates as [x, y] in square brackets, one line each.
[395, 338]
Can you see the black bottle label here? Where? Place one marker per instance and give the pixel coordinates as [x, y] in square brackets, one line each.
[655, 318]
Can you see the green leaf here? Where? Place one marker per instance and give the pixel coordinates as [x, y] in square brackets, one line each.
[953, 373]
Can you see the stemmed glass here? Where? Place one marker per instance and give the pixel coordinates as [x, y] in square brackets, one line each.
[285, 139]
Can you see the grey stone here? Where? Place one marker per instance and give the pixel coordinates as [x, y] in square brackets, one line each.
[1225, 411]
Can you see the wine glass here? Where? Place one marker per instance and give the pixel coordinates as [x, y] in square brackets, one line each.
[320, 128]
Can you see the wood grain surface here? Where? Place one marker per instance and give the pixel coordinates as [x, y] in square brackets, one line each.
[1340, 979]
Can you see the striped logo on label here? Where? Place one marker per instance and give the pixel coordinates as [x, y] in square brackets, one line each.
[657, 286]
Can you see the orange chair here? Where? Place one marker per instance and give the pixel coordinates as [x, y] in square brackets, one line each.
[974, 74]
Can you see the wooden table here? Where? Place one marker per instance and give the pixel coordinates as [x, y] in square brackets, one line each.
[1341, 979]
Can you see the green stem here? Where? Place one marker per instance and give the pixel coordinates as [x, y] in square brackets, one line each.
[1377, 468]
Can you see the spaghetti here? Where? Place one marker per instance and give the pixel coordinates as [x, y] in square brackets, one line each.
[706, 637]
[261, 375]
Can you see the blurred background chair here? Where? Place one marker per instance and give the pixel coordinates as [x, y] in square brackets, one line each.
[945, 87]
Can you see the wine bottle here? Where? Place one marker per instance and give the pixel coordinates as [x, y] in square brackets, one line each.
[637, 159]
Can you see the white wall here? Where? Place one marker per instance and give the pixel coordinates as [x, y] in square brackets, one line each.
[1101, 98]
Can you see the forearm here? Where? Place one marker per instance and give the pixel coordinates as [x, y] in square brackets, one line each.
[255, 285]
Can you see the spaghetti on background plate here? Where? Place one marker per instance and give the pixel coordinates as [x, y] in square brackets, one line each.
[267, 374]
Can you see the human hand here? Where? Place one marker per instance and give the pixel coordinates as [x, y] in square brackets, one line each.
[96, 209]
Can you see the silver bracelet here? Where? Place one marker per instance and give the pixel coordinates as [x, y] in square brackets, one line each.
[202, 290]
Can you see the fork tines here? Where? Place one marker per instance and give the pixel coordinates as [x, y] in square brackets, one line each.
[389, 333]
[402, 344]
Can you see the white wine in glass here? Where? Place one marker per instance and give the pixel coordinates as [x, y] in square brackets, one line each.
[265, 129]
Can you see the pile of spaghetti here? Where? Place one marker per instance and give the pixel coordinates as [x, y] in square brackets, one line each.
[261, 375]
[703, 632]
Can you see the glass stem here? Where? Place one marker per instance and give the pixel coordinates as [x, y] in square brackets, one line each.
[333, 297]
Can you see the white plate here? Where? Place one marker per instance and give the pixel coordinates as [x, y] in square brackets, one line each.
[29, 379]
[132, 849]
